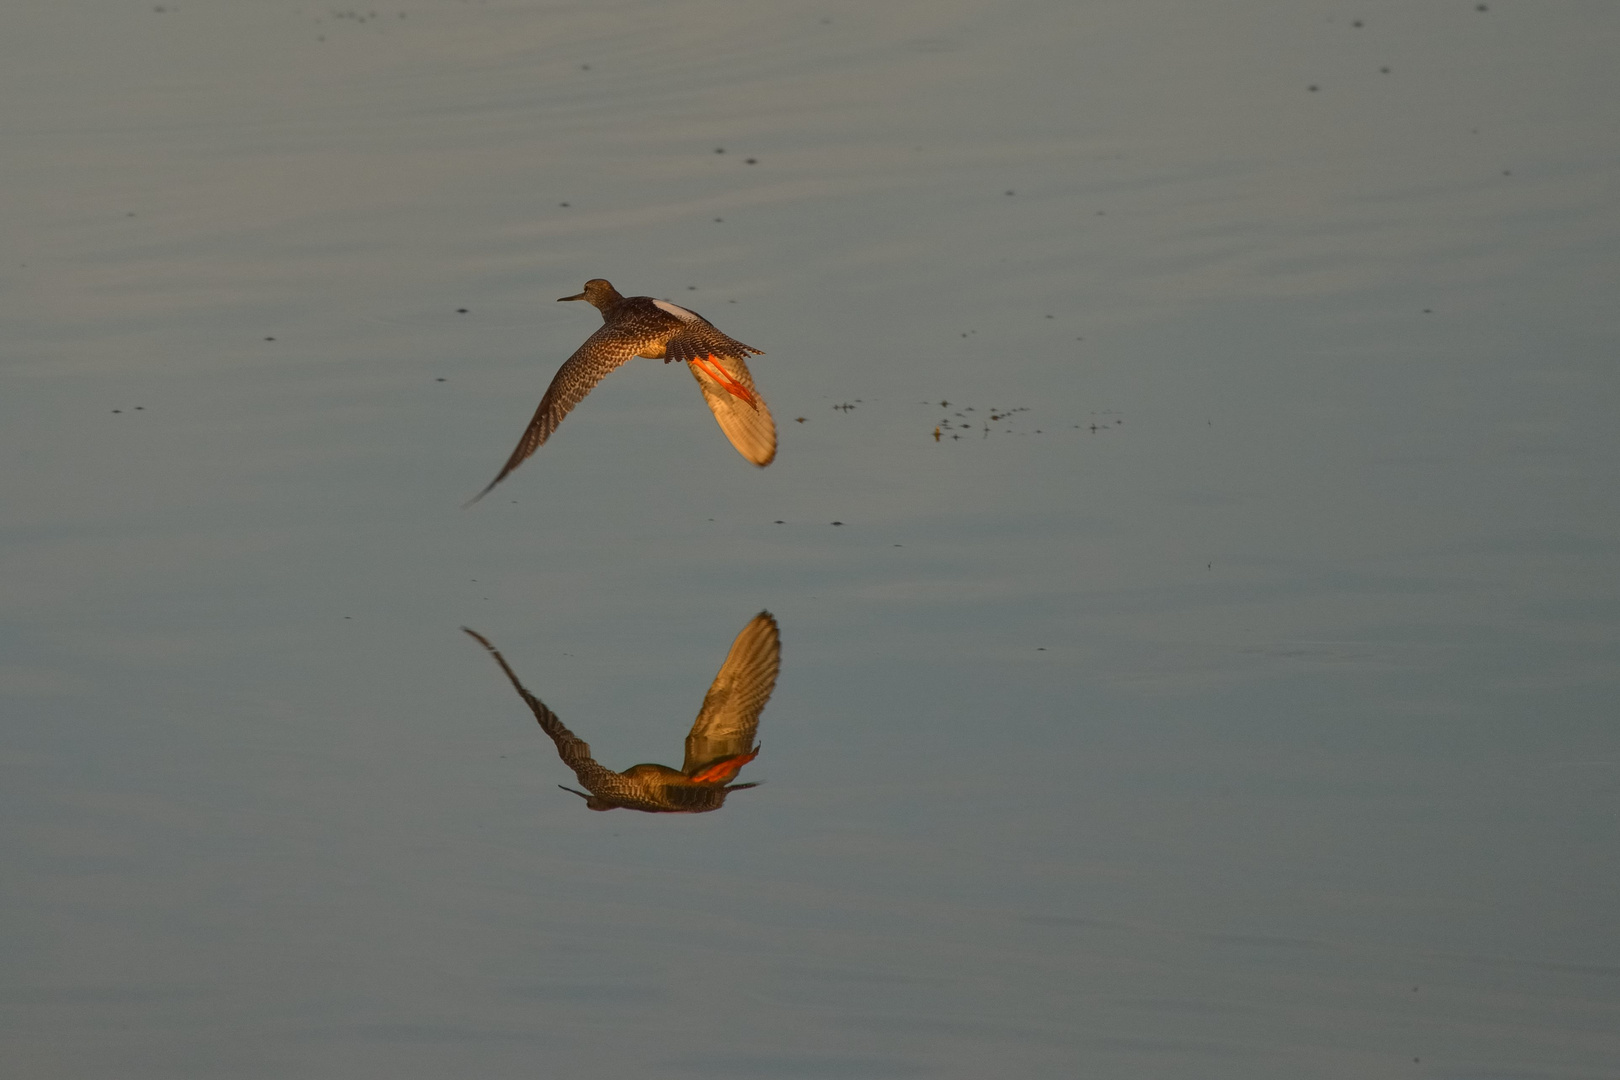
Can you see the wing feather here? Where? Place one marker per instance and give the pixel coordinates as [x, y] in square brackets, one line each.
[729, 720]
[574, 751]
[747, 423]
[592, 362]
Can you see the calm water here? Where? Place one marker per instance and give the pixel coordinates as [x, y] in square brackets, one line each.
[1239, 703]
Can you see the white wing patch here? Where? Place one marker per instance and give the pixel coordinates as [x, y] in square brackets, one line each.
[678, 311]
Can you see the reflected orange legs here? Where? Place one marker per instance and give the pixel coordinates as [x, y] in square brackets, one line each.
[724, 770]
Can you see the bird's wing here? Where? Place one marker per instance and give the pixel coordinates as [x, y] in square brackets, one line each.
[591, 363]
[716, 362]
[574, 751]
[726, 725]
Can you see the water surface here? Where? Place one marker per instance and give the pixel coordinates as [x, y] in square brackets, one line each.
[1238, 702]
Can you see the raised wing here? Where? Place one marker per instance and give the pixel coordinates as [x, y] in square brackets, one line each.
[716, 362]
[591, 363]
[726, 725]
[574, 751]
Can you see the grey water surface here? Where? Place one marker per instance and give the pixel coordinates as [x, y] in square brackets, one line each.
[1194, 538]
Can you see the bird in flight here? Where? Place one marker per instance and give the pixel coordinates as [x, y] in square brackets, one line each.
[658, 330]
[720, 743]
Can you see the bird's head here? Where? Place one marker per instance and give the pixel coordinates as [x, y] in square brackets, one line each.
[599, 292]
[593, 802]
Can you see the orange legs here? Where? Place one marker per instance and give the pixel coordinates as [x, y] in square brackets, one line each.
[711, 367]
[724, 770]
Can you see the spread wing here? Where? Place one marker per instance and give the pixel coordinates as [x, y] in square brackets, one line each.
[729, 719]
[591, 363]
[574, 751]
[716, 362]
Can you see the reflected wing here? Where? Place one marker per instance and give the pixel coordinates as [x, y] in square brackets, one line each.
[574, 751]
[591, 363]
[716, 362]
[729, 719]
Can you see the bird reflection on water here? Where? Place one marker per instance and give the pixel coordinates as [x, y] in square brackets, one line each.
[720, 743]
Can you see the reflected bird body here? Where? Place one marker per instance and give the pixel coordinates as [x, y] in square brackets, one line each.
[658, 330]
[720, 743]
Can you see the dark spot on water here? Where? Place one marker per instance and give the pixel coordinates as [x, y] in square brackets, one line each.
[1384, 70]
[562, 204]
[439, 379]
[838, 523]
[692, 288]
[1507, 172]
[584, 67]
[719, 149]
[1428, 311]
[140, 408]
[779, 521]
[1357, 24]
[753, 161]
[1313, 88]
[269, 339]
[800, 420]
[1477, 7]
[719, 219]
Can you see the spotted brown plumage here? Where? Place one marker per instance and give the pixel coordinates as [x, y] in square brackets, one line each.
[658, 330]
[720, 743]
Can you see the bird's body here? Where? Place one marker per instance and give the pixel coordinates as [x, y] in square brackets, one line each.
[658, 330]
[720, 743]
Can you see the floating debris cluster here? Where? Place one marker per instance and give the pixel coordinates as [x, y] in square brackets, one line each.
[958, 424]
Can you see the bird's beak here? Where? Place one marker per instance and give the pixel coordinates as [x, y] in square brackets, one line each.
[560, 299]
